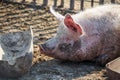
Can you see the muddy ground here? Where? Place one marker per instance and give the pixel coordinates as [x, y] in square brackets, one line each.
[14, 17]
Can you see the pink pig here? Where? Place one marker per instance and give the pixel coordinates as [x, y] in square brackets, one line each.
[93, 34]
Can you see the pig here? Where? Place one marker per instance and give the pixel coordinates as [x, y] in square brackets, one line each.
[90, 35]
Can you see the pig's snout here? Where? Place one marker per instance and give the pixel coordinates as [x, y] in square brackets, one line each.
[45, 49]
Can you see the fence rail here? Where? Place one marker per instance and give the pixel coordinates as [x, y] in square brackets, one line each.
[62, 3]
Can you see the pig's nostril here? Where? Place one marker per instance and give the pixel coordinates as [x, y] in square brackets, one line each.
[42, 47]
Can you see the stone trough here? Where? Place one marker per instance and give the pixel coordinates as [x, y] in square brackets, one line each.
[113, 69]
[16, 50]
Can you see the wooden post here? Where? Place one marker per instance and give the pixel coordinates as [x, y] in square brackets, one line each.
[82, 5]
[112, 1]
[45, 2]
[72, 4]
[55, 3]
[101, 2]
[62, 3]
[92, 3]
[34, 1]
[23, 1]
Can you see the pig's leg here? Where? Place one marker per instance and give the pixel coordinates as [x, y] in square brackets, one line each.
[109, 54]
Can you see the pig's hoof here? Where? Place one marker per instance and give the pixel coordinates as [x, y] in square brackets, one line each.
[15, 53]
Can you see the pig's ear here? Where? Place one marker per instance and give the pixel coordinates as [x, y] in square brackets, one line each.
[56, 14]
[72, 25]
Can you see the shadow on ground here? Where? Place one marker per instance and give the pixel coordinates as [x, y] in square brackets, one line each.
[57, 70]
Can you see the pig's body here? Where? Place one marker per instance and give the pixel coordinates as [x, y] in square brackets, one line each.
[93, 34]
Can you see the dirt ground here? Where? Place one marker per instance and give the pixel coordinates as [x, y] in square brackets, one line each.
[19, 17]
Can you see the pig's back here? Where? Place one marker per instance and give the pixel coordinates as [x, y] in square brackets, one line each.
[99, 19]
[102, 30]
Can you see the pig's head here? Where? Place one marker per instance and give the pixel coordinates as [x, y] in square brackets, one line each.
[66, 44]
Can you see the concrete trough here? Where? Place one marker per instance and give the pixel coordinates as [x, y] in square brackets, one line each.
[113, 69]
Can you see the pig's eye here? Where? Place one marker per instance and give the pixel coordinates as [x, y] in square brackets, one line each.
[64, 47]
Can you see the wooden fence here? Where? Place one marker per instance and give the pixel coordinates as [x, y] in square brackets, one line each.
[81, 3]
[62, 3]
